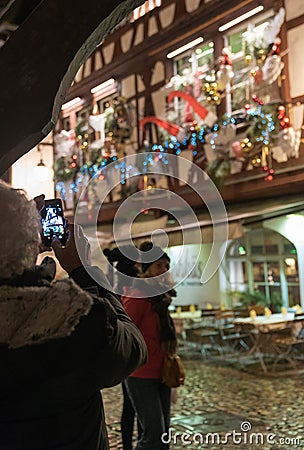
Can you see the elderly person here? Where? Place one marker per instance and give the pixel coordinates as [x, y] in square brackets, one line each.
[60, 342]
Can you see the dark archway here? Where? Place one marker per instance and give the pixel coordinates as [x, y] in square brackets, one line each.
[39, 62]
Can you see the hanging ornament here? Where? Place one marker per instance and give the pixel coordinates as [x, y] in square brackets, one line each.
[225, 72]
[198, 82]
[288, 137]
[247, 145]
[256, 162]
[211, 92]
[276, 47]
[270, 172]
[265, 153]
[289, 141]
[258, 100]
[64, 142]
[283, 119]
[267, 163]
[97, 122]
[273, 65]
[260, 56]
[248, 59]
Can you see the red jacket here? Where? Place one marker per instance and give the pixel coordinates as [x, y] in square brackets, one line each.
[141, 312]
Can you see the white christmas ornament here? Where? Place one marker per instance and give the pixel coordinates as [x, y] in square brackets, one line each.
[272, 68]
[64, 142]
[98, 124]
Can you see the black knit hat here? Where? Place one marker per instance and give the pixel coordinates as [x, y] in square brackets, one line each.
[126, 257]
[155, 254]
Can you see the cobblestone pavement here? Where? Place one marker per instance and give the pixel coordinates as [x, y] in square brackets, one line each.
[267, 412]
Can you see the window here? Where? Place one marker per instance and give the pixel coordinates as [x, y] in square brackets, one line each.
[106, 102]
[83, 128]
[83, 114]
[265, 261]
[66, 123]
[197, 59]
[247, 59]
[191, 67]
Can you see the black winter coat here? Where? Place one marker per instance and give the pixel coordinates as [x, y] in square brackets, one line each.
[51, 376]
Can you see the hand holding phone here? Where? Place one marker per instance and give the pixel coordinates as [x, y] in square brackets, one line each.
[77, 251]
[53, 222]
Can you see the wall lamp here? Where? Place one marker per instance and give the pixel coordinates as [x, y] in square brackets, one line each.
[185, 47]
[42, 172]
[71, 103]
[241, 18]
[102, 86]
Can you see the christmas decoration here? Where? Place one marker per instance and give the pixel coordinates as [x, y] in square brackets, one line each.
[172, 129]
[260, 133]
[283, 119]
[118, 120]
[256, 162]
[213, 96]
[289, 136]
[246, 145]
[262, 50]
[218, 148]
[97, 122]
[84, 153]
[65, 140]
[225, 73]
[207, 116]
[237, 149]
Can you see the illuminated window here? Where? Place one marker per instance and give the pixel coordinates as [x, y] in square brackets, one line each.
[191, 67]
[266, 262]
[245, 61]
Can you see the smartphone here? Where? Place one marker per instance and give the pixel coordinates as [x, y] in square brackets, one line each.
[53, 221]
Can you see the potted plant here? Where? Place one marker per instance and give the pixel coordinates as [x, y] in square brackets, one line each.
[256, 300]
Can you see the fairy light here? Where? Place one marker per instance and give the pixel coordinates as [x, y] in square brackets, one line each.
[122, 172]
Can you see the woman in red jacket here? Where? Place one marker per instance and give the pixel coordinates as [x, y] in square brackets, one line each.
[147, 304]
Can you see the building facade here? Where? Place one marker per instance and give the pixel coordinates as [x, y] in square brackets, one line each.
[220, 86]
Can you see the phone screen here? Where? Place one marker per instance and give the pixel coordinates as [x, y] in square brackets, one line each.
[53, 222]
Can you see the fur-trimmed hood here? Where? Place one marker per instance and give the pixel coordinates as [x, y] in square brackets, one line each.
[36, 314]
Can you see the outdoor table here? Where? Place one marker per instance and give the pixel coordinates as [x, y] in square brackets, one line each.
[186, 315]
[260, 329]
[183, 319]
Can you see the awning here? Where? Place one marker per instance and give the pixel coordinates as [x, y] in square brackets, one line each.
[240, 217]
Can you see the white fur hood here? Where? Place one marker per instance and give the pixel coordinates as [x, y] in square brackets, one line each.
[33, 315]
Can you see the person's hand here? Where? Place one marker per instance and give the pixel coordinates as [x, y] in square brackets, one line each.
[71, 256]
[39, 200]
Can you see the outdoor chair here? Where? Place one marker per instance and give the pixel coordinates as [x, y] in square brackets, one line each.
[207, 337]
[230, 335]
[284, 342]
[187, 341]
[199, 334]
